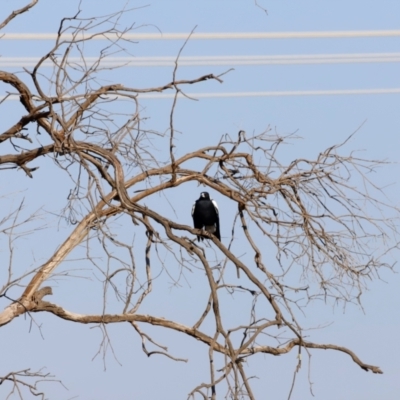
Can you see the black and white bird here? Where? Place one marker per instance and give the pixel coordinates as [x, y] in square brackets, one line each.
[205, 215]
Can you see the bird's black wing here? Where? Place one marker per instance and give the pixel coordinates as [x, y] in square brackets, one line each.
[197, 220]
[217, 232]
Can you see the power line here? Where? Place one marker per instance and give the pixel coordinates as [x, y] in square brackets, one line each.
[277, 93]
[290, 93]
[206, 36]
[213, 60]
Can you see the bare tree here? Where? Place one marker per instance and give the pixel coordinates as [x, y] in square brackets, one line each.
[310, 233]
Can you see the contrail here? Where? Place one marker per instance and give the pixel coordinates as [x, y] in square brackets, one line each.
[206, 36]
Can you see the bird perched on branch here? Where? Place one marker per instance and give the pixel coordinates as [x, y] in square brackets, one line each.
[205, 215]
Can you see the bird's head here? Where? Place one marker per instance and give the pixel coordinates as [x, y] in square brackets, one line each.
[204, 195]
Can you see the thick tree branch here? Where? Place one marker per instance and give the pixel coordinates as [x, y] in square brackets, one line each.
[198, 335]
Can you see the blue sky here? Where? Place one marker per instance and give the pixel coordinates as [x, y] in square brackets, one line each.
[67, 350]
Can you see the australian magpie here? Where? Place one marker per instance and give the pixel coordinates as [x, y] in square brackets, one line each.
[205, 215]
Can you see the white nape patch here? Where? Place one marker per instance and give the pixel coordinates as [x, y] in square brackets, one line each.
[210, 228]
[194, 206]
[215, 206]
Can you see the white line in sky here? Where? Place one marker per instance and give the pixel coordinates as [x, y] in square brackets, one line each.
[257, 94]
[275, 93]
[210, 35]
[215, 60]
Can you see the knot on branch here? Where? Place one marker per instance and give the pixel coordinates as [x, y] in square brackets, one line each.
[241, 206]
[38, 296]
